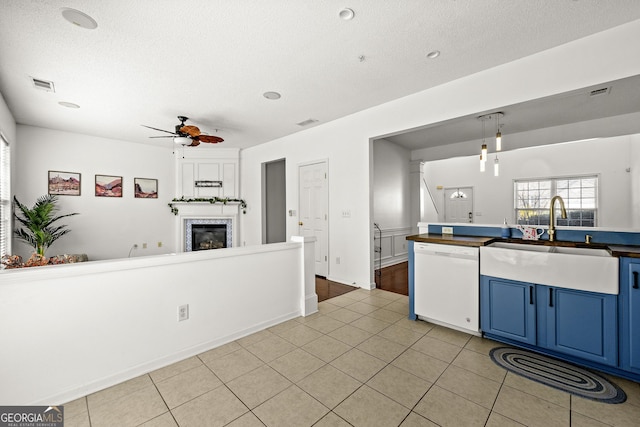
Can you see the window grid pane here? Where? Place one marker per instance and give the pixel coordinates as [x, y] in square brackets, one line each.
[533, 197]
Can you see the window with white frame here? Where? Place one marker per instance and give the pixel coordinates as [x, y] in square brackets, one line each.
[532, 198]
[5, 198]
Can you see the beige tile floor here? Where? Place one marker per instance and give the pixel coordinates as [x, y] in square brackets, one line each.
[358, 362]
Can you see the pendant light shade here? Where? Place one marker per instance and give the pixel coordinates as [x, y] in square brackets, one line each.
[498, 133]
[483, 163]
[496, 167]
[484, 152]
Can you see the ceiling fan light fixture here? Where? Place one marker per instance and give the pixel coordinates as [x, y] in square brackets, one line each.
[182, 140]
[79, 19]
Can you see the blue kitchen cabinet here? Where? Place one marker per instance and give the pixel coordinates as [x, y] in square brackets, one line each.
[629, 305]
[564, 321]
[578, 323]
[507, 309]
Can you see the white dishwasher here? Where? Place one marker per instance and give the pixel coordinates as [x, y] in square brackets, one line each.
[446, 285]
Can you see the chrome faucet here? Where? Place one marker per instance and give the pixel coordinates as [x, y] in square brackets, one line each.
[552, 214]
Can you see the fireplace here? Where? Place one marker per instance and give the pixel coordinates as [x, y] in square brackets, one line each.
[205, 234]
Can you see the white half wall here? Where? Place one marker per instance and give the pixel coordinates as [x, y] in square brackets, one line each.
[70, 330]
[106, 228]
[346, 142]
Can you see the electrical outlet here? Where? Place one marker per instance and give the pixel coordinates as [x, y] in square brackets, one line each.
[144, 246]
[159, 244]
[183, 312]
[447, 230]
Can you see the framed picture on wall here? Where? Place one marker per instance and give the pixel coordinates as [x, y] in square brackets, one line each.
[145, 188]
[108, 186]
[64, 183]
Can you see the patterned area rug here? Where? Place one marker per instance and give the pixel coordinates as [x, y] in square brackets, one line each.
[558, 374]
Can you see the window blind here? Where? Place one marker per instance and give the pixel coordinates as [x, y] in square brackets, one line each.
[5, 196]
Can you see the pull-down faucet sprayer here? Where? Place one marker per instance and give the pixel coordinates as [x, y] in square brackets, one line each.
[552, 219]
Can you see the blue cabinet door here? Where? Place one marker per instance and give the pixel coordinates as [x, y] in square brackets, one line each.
[507, 309]
[578, 323]
[629, 304]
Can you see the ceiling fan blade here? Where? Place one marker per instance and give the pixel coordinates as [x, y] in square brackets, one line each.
[211, 139]
[190, 130]
[160, 130]
[194, 143]
[163, 136]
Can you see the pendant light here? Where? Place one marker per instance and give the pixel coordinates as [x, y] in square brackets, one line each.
[498, 133]
[496, 167]
[483, 149]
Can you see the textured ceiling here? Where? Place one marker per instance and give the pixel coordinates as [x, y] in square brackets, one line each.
[211, 60]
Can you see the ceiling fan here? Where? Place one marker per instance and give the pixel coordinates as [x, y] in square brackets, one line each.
[188, 135]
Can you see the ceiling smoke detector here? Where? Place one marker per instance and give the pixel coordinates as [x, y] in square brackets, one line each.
[79, 19]
[346, 14]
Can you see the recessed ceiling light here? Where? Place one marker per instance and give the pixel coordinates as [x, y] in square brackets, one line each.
[68, 104]
[271, 95]
[79, 19]
[347, 14]
[433, 54]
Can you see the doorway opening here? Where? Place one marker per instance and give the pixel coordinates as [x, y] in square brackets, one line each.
[274, 194]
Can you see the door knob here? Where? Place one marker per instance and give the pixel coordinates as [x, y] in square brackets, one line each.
[300, 224]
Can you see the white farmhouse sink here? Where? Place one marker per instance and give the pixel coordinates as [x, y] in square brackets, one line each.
[593, 270]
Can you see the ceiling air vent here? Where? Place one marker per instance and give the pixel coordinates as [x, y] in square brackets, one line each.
[601, 91]
[43, 84]
[307, 122]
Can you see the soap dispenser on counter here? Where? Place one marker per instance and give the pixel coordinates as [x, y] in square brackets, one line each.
[506, 231]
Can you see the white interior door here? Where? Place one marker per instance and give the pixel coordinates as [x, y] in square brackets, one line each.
[313, 216]
[458, 204]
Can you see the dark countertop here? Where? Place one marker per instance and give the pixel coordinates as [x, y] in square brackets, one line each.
[625, 251]
[477, 241]
[448, 239]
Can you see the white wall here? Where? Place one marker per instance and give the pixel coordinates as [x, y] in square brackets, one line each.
[391, 193]
[346, 142]
[7, 122]
[391, 196]
[493, 196]
[106, 227]
[70, 330]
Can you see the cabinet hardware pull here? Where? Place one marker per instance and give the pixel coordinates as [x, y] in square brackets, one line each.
[550, 297]
[635, 280]
[531, 295]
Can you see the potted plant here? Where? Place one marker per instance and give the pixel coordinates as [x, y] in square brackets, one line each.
[39, 230]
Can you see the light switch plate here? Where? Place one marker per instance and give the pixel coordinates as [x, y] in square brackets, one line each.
[447, 230]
